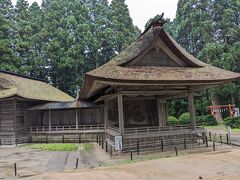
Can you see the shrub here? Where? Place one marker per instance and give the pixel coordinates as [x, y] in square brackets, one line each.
[184, 118]
[233, 122]
[172, 120]
[208, 120]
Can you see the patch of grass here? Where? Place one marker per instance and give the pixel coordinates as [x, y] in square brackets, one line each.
[219, 126]
[211, 127]
[54, 147]
[236, 130]
[87, 147]
[223, 127]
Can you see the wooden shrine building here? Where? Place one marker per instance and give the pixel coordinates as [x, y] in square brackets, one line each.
[134, 87]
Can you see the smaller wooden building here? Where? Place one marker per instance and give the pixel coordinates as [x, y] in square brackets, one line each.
[17, 94]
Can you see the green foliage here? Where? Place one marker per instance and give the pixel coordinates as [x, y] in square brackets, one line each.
[122, 26]
[54, 147]
[184, 118]
[207, 120]
[8, 58]
[233, 122]
[210, 31]
[172, 120]
[177, 107]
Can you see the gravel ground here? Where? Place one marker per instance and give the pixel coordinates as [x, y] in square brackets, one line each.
[224, 165]
[50, 165]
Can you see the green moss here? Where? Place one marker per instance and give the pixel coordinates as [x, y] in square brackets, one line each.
[54, 147]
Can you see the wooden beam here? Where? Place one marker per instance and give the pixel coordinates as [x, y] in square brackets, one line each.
[166, 112]
[105, 109]
[76, 118]
[15, 114]
[106, 98]
[153, 92]
[166, 83]
[162, 115]
[192, 110]
[120, 114]
[25, 116]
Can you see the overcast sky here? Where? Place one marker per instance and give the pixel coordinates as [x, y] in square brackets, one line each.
[142, 11]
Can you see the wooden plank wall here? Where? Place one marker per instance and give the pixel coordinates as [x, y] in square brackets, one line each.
[20, 116]
[7, 117]
[140, 113]
[112, 107]
[65, 117]
[156, 57]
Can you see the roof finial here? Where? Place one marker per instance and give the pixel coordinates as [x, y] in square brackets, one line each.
[159, 21]
[155, 22]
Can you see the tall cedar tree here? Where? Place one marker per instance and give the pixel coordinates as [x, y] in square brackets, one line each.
[210, 31]
[8, 60]
[122, 25]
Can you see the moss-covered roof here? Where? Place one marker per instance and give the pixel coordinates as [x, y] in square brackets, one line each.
[117, 70]
[30, 88]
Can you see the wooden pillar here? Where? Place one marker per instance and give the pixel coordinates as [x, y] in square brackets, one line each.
[15, 115]
[49, 120]
[25, 116]
[191, 109]
[166, 111]
[76, 118]
[162, 112]
[105, 108]
[120, 114]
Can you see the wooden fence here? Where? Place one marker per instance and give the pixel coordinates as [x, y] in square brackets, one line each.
[80, 128]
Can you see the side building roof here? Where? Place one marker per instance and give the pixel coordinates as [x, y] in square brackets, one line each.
[12, 84]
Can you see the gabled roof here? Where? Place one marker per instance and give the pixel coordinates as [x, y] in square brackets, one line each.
[12, 84]
[119, 69]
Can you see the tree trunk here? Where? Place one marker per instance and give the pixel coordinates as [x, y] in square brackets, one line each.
[233, 98]
[216, 102]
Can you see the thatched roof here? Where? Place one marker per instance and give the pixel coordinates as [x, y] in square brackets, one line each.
[12, 84]
[63, 105]
[118, 69]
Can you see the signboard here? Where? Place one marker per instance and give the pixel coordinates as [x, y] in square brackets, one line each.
[118, 143]
[236, 112]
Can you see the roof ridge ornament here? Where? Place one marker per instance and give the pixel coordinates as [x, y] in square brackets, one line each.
[155, 23]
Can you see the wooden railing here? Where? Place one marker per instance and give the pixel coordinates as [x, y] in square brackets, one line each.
[152, 129]
[81, 128]
[113, 128]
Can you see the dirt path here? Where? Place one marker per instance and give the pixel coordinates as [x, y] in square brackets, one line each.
[31, 162]
[210, 166]
[235, 136]
[57, 162]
